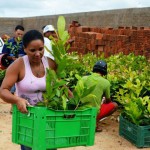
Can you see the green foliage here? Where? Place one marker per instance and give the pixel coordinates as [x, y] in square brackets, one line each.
[82, 97]
[68, 67]
[56, 94]
[14, 49]
[127, 68]
[130, 86]
[128, 75]
[2, 74]
[137, 111]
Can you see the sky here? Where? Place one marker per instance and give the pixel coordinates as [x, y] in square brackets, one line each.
[31, 8]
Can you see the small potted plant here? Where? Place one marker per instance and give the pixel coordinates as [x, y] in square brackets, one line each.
[135, 116]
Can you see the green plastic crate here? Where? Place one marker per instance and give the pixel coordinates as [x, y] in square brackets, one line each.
[44, 128]
[138, 135]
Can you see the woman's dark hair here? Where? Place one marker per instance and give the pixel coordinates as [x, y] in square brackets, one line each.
[30, 36]
[19, 27]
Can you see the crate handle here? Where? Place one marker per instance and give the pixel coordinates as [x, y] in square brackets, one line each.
[28, 115]
[69, 116]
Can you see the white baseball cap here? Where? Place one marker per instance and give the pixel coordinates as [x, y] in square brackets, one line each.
[48, 28]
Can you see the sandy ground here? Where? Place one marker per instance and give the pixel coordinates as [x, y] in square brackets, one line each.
[108, 139]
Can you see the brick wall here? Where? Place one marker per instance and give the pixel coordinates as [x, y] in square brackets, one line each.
[110, 31]
[110, 40]
[109, 18]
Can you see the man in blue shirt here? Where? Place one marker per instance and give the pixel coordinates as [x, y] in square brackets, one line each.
[14, 46]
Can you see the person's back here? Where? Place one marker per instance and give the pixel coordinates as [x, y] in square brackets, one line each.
[102, 86]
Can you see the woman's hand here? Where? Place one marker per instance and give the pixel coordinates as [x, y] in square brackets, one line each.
[22, 105]
[70, 94]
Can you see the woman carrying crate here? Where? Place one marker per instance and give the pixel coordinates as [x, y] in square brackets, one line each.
[28, 73]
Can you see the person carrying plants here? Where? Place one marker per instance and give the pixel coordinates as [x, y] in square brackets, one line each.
[28, 73]
[14, 48]
[102, 89]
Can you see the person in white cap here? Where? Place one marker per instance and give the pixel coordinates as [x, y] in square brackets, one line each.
[48, 31]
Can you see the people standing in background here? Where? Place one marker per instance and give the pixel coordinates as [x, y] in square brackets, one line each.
[48, 31]
[5, 37]
[29, 75]
[14, 48]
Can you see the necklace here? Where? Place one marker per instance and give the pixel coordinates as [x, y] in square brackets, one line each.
[38, 72]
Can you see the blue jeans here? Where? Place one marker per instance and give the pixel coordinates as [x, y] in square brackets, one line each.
[25, 148]
[28, 148]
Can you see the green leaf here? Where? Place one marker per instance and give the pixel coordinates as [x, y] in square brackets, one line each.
[48, 50]
[61, 26]
[59, 83]
[64, 101]
[148, 108]
[79, 88]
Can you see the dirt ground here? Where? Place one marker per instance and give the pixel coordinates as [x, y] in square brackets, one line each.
[108, 139]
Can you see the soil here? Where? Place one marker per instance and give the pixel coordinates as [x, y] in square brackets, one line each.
[108, 139]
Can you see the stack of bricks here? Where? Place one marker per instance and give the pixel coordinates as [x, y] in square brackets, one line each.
[109, 41]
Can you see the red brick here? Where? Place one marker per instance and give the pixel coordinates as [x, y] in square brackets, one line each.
[99, 42]
[121, 31]
[100, 48]
[92, 41]
[134, 28]
[74, 22]
[91, 47]
[136, 53]
[106, 54]
[121, 27]
[127, 27]
[77, 24]
[91, 35]
[99, 36]
[83, 29]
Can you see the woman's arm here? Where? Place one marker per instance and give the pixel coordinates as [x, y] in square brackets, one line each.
[11, 77]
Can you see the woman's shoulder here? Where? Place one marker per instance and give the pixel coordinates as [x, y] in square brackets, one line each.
[16, 67]
[17, 63]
